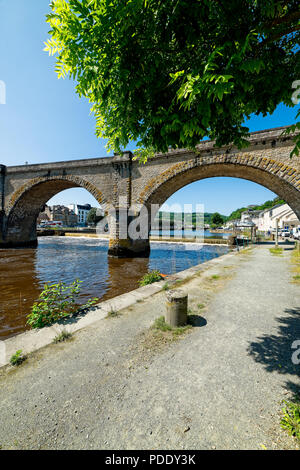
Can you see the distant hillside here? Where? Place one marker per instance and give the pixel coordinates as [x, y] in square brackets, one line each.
[266, 205]
[190, 218]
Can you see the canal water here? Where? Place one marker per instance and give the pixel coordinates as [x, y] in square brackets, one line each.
[23, 272]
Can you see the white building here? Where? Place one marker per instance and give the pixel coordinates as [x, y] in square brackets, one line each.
[81, 211]
[265, 221]
[231, 224]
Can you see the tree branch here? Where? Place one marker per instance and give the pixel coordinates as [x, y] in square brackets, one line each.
[284, 19]
[279, 35]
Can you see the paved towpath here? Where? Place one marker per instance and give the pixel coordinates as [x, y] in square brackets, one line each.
[116, 386]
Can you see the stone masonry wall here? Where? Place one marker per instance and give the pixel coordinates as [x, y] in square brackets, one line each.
[25, 189]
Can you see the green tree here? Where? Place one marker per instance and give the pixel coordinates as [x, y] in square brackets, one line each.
[93, 218]
[266, 205]
[168, 73]
[217, 219]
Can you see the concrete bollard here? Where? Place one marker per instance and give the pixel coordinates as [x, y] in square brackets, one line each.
[177, 302]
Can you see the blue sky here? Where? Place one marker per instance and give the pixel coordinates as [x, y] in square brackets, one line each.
[43, 119]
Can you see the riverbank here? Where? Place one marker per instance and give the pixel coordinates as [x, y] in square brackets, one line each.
[219, 386]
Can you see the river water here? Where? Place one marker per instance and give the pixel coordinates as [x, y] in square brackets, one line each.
[23, 272]
[189, 233]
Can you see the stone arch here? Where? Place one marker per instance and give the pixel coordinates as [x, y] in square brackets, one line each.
[28, 200]
[282, 179]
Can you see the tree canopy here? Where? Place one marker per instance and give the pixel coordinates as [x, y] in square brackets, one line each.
[217, 219]
[167, 73]
[260, 207]
[93, 216]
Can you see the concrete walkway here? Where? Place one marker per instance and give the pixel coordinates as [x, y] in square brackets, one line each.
[220, 386]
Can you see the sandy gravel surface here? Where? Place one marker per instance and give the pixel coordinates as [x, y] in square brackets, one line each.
[117, 385]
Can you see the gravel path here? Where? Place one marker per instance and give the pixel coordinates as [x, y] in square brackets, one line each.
[117, 386]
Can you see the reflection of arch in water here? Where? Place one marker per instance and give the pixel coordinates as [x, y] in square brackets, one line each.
[28, 201]
[20, 287]
[129, 270]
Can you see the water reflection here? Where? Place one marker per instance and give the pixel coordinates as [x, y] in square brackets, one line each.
[19, 286]
[23, 273]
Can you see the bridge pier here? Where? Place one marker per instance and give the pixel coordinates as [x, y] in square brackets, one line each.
[129, 236]
[17, 237]
[19, 229]
[120, 248]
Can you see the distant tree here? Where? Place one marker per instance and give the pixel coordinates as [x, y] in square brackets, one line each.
[93, 218]
[237, 213]
[266, 205]
[168, 73]
[217, 219]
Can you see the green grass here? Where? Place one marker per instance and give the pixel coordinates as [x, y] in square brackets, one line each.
[161, 325]
[214, 277]
[200, 306]
[291, 418]
[276, 251]
[181, 282]
[63, 336]
[18, 358]
[295, 261]
[166, 286]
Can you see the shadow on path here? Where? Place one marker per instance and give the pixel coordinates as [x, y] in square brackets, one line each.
[275, 351]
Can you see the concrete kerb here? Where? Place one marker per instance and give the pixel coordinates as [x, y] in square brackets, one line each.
[34, 340]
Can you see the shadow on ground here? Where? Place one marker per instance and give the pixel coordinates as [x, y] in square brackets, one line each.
[197, 320]
[275, 351]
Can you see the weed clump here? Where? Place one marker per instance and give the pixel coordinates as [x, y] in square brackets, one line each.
[63, 336]
[18, 358]
[150, 277]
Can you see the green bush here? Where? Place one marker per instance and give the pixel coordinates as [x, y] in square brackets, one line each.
[57, 301]
[150, 277]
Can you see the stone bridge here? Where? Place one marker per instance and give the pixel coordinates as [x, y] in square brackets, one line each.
[122, 186]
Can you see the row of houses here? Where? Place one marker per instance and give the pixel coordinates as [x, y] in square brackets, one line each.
[72, 215]
[265, 220]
